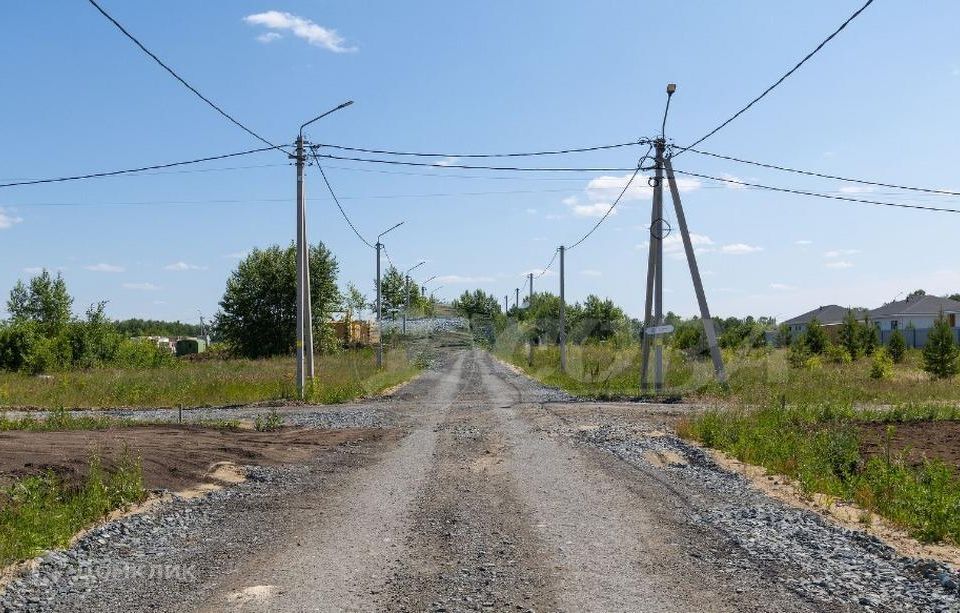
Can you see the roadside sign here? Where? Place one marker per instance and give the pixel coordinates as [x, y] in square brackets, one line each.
[658, 330]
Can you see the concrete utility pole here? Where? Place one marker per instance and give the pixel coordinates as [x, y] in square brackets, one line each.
[304, 337]
[563, 317]
[301, 314]
[379, 247]
[406, 291]
[505, 304]
[530, 306]
[653, 328]
[516, 302]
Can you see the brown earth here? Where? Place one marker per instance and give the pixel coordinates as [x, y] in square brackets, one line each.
[173, 457]
[918, 441]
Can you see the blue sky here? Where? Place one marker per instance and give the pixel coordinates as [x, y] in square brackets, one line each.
[879, 102]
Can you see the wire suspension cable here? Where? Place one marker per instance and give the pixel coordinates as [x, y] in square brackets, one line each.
[801, 192]
[780, 80]
[466, 166]
[113, 173]
[339, 206]
[549, 264]
[484, 155]
[173, 73]
[610, 210]
[811, 173]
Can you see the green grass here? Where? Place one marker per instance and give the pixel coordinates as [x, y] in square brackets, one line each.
[60, 419]
[755, 378]
[818, 446]
[339, 377]
[44, 512]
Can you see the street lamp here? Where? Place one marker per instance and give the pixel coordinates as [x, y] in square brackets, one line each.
[304, 346]
[379, 246]
[406, 291]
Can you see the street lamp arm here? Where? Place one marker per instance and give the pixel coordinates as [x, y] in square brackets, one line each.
[318, 117]
[379, 236]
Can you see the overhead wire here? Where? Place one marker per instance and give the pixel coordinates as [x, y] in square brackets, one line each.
[467, 166]
[801, 192]
[549, 264]
[113, 173]
[483, 155]
[183, 81]
[810, 173]
[786, 75]
[339, 206]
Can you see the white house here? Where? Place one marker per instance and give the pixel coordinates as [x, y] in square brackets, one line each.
[919, 312]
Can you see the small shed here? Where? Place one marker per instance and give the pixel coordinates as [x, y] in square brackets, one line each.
[190, 345]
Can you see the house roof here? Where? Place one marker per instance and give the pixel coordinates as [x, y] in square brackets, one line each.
[827, 315]
[917, 305]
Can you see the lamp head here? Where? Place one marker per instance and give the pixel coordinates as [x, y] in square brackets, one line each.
[671, 87]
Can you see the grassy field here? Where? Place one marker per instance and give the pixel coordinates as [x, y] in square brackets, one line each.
[339, 377]
[43, 512]
[756, 378]
[818, 445]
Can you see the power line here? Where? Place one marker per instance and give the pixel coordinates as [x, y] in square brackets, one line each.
[113, 173]
[468, 167]
[781, 79]
[485, 155]
[549, 264]
[182, 80]
[610, 210]
[802, 192]
[339, 206]
[810, 173]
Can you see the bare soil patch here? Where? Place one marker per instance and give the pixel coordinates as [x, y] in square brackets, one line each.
[917, 441]
[174, 457]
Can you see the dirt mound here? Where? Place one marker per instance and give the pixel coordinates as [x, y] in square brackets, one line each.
[173, 457]
[917, 441]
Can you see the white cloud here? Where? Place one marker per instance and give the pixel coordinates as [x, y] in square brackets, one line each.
[447, 161]
[145, 287]
[8, 220]
[596, 209]
[739, 249]
[839, 264]
[237, 255]
[835, 253]
[782, 287]
[803, 242]
[609, 187]
[102, 267]
[462, 279]
[33, 270]
[301, 27]
[856, 189]
[532, 211]
[183, 266]
[732, 182]
[591, 273]
[269, 37]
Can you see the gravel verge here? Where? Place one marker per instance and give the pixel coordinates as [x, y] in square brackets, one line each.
[831, 565]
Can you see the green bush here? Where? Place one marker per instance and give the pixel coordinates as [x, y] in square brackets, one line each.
[897, 346]
[838, 354]
[882, 365]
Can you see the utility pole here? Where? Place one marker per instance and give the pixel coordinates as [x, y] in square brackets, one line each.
[530, 306]
[299, 349]
[653, 328]
[379, 247]
[563, 317]
[406, 291]
[516, 302]
[304, 336]
[505, 309]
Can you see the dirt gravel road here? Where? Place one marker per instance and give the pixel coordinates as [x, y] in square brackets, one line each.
[501, 497]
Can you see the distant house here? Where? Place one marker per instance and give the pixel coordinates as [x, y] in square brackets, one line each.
[828, 316]
[918, 312]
